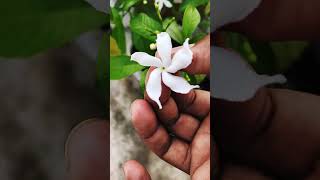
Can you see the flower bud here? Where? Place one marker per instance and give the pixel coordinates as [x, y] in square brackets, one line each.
[153, 46]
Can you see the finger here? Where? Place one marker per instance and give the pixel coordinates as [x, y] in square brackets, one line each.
[201, 148]
[133, 170]
[195, 103]
[182, 125]
[87, 150]
[282, 20]
[201, 58]
[271, 131]
[155, 136]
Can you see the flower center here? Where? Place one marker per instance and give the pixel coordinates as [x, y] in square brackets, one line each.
[162, 69]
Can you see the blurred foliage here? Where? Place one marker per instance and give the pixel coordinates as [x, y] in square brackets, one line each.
[32, 26]
[265, 57]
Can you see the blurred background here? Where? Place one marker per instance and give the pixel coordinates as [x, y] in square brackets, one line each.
[43, 98]
[299, 61]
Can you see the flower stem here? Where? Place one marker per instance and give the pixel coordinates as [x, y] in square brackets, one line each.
[158, 11]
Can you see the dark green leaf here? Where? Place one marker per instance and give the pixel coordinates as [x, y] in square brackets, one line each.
[122, 66]
[31, 26]
[287, 53]
[266, 62]
[191, 19]
[194, 3]
[141, 44]
[145, 26]
[118, 32]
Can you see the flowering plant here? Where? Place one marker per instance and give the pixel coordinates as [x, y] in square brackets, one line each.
[147, 26]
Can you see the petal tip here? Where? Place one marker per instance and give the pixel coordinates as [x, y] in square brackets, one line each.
[159, 104]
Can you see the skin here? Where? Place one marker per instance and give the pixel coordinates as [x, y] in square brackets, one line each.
[273, 135]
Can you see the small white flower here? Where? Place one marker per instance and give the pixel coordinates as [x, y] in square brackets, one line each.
[166, 67]
[160, 3]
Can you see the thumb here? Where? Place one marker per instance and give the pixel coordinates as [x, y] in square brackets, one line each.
[133, 170]
[201, 57]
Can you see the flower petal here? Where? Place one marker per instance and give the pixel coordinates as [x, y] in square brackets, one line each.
[234, 79]
[167, 3]
[153, 86]
[176, 83]
[145, 59]
[181, 59]
[160, 4]
[164, 48]
[229, 11]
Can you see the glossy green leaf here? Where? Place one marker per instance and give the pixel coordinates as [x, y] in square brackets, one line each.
[145, 26]
[122, 66]
[32, 26]
[191, 20]
[118, 32]
[194, 3]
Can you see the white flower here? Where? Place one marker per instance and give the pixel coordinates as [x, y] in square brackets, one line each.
[166, 67]
[160, 3]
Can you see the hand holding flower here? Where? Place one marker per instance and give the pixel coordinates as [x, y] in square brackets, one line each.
[166, 67]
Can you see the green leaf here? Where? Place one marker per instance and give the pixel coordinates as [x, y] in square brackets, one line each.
[166, 22]
[122, 66]
[174, 30]
[207, 9]
[266, 62]
[118, 31]
[141, 44]
[287, 53]
[32, 26]
[191, 19]
[103, 68]
[143, 76]
[194, 3]
[145, 26]
[127, 4]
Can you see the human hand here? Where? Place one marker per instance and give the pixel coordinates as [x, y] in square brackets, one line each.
[179, 133]
[276, 133]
